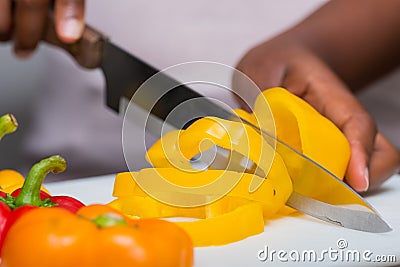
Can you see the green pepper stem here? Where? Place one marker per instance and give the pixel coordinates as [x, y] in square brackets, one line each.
[8, 124]
[30, 192]
[109, 219]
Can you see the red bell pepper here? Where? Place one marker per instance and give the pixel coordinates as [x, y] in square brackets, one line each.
[15, 205]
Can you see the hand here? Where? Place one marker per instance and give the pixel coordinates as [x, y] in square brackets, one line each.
[25, 22]
[288, 63]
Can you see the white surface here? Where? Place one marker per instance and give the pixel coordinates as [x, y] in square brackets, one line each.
[289, 233]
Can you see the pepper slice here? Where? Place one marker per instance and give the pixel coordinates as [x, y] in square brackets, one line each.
[177, 148]
[227, 220]
[271, 195]
[235, 205]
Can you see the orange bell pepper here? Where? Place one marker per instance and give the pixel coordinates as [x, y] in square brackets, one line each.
[98, 236]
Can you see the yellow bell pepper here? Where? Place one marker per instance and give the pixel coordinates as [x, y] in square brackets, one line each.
[303, 128]
[299, 125]
[11, 180]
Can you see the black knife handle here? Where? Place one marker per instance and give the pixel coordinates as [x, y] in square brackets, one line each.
[87, 51]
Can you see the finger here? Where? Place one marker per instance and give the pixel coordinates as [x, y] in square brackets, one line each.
[5, 20]
[30, 21]
[360, 131]
[264, 73]
[333, 100]
[385, 161]
[68, 16]
[357, 174]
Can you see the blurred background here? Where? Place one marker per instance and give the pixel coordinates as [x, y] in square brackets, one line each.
[60, 106]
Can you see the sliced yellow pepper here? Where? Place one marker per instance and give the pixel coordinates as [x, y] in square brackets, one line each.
[148, 207]
[250, 196]
[272, 194]
[235, 220]
[228, 220]
[230, 135]
[232, 204]
[176, 148]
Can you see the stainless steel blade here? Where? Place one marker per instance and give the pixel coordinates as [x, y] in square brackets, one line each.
[354, 213]
[362, 220]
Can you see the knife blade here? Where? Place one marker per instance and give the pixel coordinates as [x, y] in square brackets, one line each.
[343, 207]
[125, 73]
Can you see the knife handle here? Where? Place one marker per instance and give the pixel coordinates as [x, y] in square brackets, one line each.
[87, 51]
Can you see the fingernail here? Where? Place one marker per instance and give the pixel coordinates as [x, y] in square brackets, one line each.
[71, 28]
[23, 54]
[366, 180]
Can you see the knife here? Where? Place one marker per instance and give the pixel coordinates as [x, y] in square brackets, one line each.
[125, 73]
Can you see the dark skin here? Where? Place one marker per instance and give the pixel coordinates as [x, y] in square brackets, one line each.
[25, 22]
[336, 51]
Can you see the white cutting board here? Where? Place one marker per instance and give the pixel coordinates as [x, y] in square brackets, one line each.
[297, 236]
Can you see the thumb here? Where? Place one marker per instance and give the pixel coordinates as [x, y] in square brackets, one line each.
[357, 175]
[69, 19]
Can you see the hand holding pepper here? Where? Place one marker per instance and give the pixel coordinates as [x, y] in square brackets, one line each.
[323, 61]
